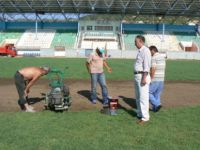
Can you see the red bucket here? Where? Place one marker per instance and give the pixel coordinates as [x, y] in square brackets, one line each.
[113, 102]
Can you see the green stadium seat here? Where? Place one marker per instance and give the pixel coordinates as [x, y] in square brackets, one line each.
[129, 38]
[64, 38]
[10, 34]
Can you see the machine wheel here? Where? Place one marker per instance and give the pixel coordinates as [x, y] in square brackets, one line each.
[59, 111]
[66, 91]
[46, 107]
[47, 99]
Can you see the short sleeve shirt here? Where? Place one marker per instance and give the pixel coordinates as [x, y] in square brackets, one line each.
[96, 63]
[158, 62]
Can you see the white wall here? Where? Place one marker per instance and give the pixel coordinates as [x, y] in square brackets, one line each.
[94, 23]
[132, 54]
[112, 54]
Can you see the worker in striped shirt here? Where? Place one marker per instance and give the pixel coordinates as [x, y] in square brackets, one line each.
[157, 73]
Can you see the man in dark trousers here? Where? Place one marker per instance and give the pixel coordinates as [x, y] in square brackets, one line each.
[24, 80]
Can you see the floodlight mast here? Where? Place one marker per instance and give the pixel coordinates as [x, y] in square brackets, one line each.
[37, 12]
[163, 32]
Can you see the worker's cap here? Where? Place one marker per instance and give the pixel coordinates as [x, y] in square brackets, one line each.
[47, 69]
[101, 50]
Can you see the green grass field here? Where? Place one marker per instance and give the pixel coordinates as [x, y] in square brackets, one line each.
[170, 129]
[180, 70]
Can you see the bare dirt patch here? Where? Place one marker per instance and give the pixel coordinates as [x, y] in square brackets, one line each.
[176, 94]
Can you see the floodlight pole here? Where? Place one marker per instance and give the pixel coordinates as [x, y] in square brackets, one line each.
[36, 21]
[121, 34]
[36, 26]
[163, 32]
[78, 26]
[121, 26]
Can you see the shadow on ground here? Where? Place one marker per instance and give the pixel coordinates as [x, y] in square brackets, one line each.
[87, 94]
[33, 100]
[131, 102]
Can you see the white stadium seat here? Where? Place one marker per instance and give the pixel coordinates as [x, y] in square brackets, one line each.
[92, 40]
[30, 41]
[168, 42]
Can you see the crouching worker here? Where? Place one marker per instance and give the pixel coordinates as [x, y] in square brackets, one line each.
[24, 80]
[95, 64]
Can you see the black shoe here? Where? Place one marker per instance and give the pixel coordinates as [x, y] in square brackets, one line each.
[158, 108]
[22, 107]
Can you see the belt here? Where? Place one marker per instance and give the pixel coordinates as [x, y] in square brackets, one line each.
[140, 72]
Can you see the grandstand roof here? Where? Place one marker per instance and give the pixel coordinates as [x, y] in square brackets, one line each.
[72, 10]
[142, 7]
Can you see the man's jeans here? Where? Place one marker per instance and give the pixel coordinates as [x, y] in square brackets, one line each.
[155, 90]
[100, 78]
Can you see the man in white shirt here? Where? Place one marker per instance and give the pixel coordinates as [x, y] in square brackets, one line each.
[142, 79]
[157, 76]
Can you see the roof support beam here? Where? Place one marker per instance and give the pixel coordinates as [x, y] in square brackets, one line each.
[108, 5]
[77, 4]
[157, 5]
[153, 4]
[62, 10]
[171, 6]
[43, 3]
[140, 6]
[190, 4]
[39, 18]
[11, 17]
[2, 8]
[93, 4]
[13, 5]
[52, 17]
[183, 12]
[29, 5]
[18, 9]
[135, 7]
[124, 5]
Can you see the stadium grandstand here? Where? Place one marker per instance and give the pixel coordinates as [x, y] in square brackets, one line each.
[76, 27]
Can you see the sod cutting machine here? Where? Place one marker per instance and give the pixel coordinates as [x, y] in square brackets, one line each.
[58, 97]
